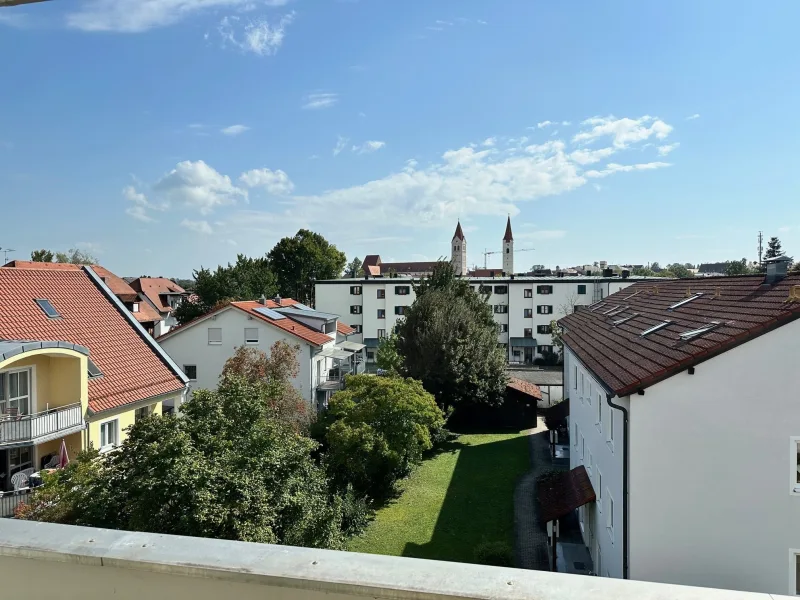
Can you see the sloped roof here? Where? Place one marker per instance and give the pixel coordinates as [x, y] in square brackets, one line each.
[607, 336]
[561, 493]
[344, 329]
[508, 235]
[154, 287]
[524, 387]
[119, 286]
[459, 232]
[132, 369]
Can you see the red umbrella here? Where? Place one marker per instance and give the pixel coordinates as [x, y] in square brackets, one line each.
[63, 457]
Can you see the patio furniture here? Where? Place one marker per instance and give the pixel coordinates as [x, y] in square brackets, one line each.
[53, 462]
[19, 480]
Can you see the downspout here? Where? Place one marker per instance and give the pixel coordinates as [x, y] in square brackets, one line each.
[624, 483]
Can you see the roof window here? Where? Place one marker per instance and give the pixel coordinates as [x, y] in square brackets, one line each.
[94, 370]
[48, 308]
[655, 328]
[685, 301]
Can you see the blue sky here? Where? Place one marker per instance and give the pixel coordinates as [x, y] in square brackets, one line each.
[162, 135]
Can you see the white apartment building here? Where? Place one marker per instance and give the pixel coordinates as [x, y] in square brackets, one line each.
[202, 346]
[685, 414]
[523, 306]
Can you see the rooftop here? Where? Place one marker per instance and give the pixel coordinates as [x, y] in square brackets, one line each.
[156, 287]
[498, 279]
[132, 366]
[651, 330]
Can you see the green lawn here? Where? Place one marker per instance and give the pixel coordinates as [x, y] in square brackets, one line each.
[453, 501]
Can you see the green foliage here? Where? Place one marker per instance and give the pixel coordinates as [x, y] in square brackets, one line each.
[737, 267]
[300, 260]
[353, 268]
[497, 554]
[42, 255]
[187, 284]
[225, 469]
[644, 272]
[655, 266]
[75, 257]
[680, 271]
[387, 357]
[376, 430]
[448, 341]
[796, 267]
[773, 248]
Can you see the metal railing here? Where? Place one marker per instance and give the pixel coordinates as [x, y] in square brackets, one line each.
[28, 428]
[10, 500]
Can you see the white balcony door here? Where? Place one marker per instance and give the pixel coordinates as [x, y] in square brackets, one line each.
[15, 392]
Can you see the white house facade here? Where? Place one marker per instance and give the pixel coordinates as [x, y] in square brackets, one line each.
[203, 346]
[705, 490]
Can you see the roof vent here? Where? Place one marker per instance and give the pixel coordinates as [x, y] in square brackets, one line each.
[625, 273]
[263, 300]
[277, 299]
[776, 269]
[608, 272]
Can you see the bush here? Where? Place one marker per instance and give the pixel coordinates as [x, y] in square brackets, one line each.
[376, 431]
[356, 513]
[496, 554]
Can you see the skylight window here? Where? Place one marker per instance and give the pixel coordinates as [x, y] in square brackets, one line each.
[685, 301]
[94, 370]
[48, 308]
[655, 328]
[688, 335]
[624, 319]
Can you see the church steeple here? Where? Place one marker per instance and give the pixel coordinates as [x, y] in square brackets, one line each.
[508, 237]
[459, 254]
[508, 249]
[458, 234]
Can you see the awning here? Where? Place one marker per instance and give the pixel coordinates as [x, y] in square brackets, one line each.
[523, 342]
[372, 342]
[561, 493]
[351, 346]
[334, 352]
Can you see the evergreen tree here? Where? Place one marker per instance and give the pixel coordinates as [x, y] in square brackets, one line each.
[773, 248]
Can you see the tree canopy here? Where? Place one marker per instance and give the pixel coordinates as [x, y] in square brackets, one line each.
[737, 267]
[42, 255]
[72, 256]
[448, 341]
[300, 260]
[773, 248]
[353, 268]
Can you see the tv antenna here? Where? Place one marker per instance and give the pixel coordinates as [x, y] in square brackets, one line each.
[5, 253]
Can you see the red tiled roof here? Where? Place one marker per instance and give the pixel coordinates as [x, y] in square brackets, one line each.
[373, 270]
[154, 287]
[119, 286]
[288, 325]
[486, 273]
[146, 314]
[131, 369]
[625, 361]
[561, 493]
[344, 329]
[408, 267]
[525, 387]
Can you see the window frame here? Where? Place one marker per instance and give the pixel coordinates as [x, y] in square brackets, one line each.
[214, 342]
[359, 328]
[381, 333]
[794, 572]
[187, 374]
[501, 309]
[103, 428]
[135, 307]
[527, 293]
[381, 312]
[610, 515]
[544, 309]
[30, 396]
[500, 289]
[355, 290]
[527, 332]
[400, 310]
[381, 294]
[249, 341]
[502, 327]
[544, 289]
[794, 465]
[355, 309]
[582, 285]
[150, 408]
[527, 313]
[544, 330]
[406, 290]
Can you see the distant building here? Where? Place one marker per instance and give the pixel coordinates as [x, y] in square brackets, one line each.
[164, 296]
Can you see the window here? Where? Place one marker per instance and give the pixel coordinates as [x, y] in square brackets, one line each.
[355, 309]
[501, 309]
[357, 327]
[94, 370]
[215, 336]
[599, 501]
[589, 463]
[582, 386]
[381, 333]
[610, 516]
[400, 310]
[582, 288]
[108, 434]
[251, 335]
[583, 448]
[589, 395]
[544, 289]
[135, 307]
[381, 294]
[143, 412]
[19, 459]
[370, 355]
[15, 393]
[611, 428]
[544, 309]
[381, 313]
[795, 462]
[527, 313]
[546, 349]
[599, 411]
[527, 293]
[355, 290]
[501, 289]
[484, 289]
[546, 329]
[528, 333]
[796, 590]
[402, 290]
[575, 378]
[502, 327]
[190, 371]
[48, 308]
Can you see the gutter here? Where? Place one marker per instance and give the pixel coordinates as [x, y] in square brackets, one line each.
[625, 550]
[98, 281]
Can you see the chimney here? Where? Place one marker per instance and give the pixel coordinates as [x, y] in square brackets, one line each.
[277, 299]
[776, 269]
[607, 272]
[625, 273]
[263, 300]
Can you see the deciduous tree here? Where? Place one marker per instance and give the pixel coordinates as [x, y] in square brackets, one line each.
[42, 255]
[353, 268]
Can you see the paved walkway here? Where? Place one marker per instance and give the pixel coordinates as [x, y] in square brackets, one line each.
[530, 547]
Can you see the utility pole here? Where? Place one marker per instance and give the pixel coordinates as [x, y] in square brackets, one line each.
[760, 246]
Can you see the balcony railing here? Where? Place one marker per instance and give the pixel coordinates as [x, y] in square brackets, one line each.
[39, 427]
[10, 500]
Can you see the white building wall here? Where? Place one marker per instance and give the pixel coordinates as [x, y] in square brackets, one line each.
[190, 347]
[339, 296]
[711, 471]
[596, 441]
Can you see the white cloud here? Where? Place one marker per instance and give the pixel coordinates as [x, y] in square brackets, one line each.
[612, 168]
[587, 157]
[362, 114]
[133, 16]
[623, 131]
[275, 182]
[544, 124]
[320, 100]
[256, 36]
[341, 144]
[481, 22]
[90, 247]
[448, 23]
[368, 146]
[664, 150]
[139, 213]
[14, 19]
[489, 142]
[141, 205]
[235, 129]
[197, 226]
[693, 117]
[566, 123]
[199, 186]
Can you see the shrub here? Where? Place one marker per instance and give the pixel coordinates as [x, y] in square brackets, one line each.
[356, 512]
[497, 554]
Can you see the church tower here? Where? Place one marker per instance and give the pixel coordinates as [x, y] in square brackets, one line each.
[459, 255]
[508, 250]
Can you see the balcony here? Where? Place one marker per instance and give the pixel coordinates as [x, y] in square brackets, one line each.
[22, 430]
[63, 561]
[10, 500]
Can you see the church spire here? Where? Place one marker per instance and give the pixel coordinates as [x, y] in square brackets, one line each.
[459, 234]
[508, 236]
